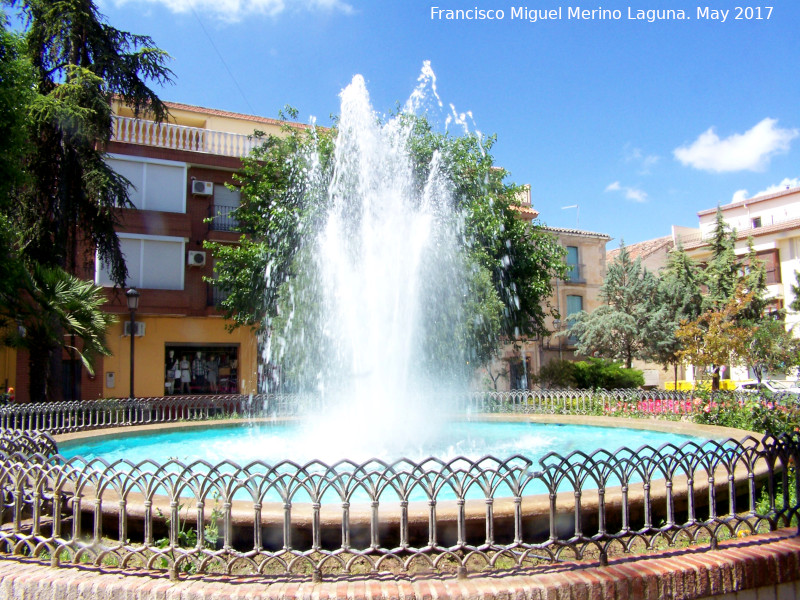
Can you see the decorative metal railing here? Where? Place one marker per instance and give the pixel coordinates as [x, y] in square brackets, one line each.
[315, 519]
[347, 517]
[65, 417]
[180, 137]
[221, 218]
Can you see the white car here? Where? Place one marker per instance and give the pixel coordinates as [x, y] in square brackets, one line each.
[774, 386]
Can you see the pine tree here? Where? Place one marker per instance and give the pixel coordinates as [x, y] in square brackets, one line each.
[71, 198]
[721, 274]
[680, 299]
[80, 63]
[620, 329]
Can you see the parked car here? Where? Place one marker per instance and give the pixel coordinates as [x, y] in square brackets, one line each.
[773, 386]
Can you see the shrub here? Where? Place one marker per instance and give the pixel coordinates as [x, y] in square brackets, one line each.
[598, 373]
[557, 373]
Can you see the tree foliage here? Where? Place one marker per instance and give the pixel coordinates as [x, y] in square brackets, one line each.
[621, 328]
[772, 349]
[41, 307]
[509, 264]
[79, 63]
[16, 93]
[718, 335]
[60, 199]
[679, 299]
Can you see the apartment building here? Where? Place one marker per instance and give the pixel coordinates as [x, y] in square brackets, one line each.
[519, 362]
[179, 170]
[772, 223]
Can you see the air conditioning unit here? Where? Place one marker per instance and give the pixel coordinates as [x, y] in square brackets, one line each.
[139, 328]
[196, 258]
[202, 188]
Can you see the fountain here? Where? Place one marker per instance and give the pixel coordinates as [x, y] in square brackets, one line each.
[373, 328]
[389, 272]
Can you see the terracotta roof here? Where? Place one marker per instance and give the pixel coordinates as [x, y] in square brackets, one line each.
[753, 232]
[643, 249]
[232, 115]
[578, 232]
[526, 209]
[749, 201]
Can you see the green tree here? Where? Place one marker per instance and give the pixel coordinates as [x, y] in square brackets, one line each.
[795, 303]
[591, 374]
[722, 273]
[620, 329]
[79, 63]
[510, 264]
[42, 306]
[68, 201]
[718, 335]
[679, 299]
[771, 349]
[16, 93]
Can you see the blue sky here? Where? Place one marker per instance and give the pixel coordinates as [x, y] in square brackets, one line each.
[641, 124]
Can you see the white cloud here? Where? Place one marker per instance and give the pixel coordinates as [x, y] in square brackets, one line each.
[646, 161]
[739, 195]
[630, 193]
[787, 183]
[235, 10]
[748, 151]
[635, 194]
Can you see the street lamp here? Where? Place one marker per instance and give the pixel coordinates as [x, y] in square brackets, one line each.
[133, 303]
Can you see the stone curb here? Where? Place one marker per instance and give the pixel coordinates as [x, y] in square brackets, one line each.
[768, 561]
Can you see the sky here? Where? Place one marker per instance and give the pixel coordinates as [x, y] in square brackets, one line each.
[620, 125]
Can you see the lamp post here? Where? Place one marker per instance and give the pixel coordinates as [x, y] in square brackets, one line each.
[133, 303]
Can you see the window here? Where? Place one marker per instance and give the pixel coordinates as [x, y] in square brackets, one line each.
[225, 202]
[756, 222]
[771, 262]
[573, 264]
[772, 265]
[216, 294]
[155, 185]
[574, 306]
[154, 262]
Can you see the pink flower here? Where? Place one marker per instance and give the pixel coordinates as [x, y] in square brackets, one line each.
[707, 408]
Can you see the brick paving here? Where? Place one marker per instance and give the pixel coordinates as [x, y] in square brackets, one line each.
[761, 566]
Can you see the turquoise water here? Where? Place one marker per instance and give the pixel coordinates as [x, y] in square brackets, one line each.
[273, 443]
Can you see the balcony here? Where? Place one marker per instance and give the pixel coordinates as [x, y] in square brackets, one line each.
[575, 273]
[215, 295]
[222, 218]
[180, 137]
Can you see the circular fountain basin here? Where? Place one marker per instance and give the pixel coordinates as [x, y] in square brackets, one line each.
[535, 504]
[273, 442]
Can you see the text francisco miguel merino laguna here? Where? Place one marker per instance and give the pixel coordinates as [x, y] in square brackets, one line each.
[524, 13]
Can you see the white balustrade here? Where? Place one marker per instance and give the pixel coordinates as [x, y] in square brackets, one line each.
[181, 137]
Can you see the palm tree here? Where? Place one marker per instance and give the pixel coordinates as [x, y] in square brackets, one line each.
[58, 310]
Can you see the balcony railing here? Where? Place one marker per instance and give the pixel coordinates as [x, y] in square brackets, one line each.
[575, 273]
[180, 137]
[744, 230]
[215, 295]
[222, 218]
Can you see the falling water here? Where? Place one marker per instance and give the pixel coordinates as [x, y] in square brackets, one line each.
[390, 278]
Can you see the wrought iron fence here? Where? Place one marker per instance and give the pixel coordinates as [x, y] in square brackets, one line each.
[349, 517]
[71, 416]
